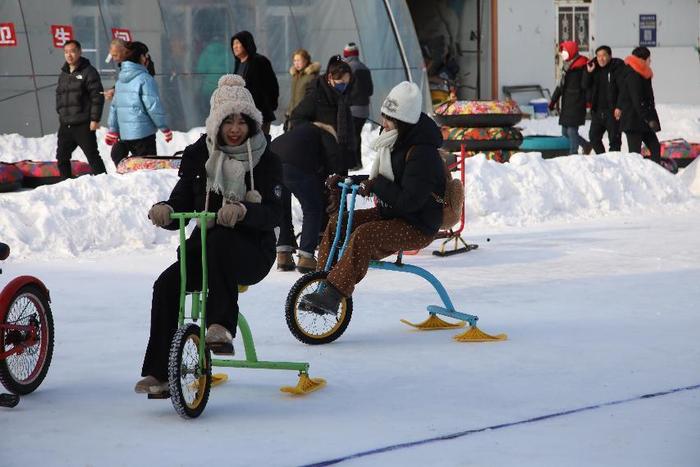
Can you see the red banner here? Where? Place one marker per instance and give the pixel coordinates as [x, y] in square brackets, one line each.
[61, 33]
[8, 37]
[123, 34]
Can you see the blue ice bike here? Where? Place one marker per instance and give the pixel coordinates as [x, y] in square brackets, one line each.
[312, 326]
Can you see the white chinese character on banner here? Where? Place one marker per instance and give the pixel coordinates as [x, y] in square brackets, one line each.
[61, 36]
[7, 36]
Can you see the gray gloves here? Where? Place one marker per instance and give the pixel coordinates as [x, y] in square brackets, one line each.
[229, 214]
[160, 214]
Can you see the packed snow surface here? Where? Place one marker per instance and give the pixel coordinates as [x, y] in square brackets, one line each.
[588, 263]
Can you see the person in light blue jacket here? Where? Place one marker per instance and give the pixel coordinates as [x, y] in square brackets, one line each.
[136, 112]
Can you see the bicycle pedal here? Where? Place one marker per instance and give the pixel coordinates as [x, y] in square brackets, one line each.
[9, 400]
[160, 395]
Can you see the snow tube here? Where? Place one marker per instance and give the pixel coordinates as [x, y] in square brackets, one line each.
[478, 113]
[132, 164]
[10, 177]
[678, 149]
[37, 173]
[549, 146]
[480, 139]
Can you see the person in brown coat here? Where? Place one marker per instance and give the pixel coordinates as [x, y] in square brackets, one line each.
[303, 72]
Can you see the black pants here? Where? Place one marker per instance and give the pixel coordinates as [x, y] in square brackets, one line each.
[601, 122]
[69, 138]
[232, 258]
[358, 123]
[634, 143]
[137, 147]
[308, 189]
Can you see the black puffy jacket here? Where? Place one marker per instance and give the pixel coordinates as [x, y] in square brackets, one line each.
[573, 96]
[310, 149]
[636, 102]
[260, 220]
[409, 196]
[78, 94]
[604, 80]
[260, 78]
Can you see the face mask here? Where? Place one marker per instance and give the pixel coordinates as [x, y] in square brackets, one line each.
[564, 55]
[340, 87]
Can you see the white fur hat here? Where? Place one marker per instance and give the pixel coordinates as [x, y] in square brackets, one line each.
[403, 103]
[231, 97]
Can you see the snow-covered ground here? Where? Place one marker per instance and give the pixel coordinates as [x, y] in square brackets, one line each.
[588, 263]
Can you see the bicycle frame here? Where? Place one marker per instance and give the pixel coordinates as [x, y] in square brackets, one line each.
[199, 307]
[448, 309]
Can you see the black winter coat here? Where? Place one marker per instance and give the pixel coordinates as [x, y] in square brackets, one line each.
[603, 80]
[260, 78]
[409, 196]
[573, 98]
[636, 102]
[304, 147]
[78, 98]
[260, 220]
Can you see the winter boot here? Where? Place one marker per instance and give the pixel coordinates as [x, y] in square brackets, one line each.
[285, 261]
[151, 385]
[306, 264]
[324, 302]
[219, 340]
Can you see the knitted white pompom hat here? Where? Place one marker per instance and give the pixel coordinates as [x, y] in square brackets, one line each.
[403, 103]
[231, 97]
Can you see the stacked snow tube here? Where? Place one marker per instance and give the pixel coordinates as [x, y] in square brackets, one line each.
[549, 146]
[10, 177]
[132, 164]
[681, 151]
[37, 173]
[480, 127]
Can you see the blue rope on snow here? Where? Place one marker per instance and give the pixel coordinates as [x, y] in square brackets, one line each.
[460, 434]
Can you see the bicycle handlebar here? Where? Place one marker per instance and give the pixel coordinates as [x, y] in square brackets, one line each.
[4, 251]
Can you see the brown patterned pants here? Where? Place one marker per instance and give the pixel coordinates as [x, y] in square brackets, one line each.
[372, 238]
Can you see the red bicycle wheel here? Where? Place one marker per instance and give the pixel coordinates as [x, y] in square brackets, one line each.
[23, 372]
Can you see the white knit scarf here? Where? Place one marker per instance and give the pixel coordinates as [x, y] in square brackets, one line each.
[382, 163]
[227, 166]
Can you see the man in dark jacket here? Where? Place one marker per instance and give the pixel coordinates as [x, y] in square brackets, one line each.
[79, 103]
[573, 96]
[306, 162]
[600, 80]
[362, 90]
[638, 118]
[258, 74]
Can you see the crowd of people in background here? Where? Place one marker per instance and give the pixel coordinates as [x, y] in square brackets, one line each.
[619, 95]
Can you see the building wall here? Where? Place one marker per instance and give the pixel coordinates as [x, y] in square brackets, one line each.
[526, 43]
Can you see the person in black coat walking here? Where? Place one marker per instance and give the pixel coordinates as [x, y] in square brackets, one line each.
[230, 171]
[306, 162]
[408, 178]
[573, 96]
[79, 103]
[638, 118]
[362, 90]
[260, 78]
[601, 81]
[327, 101]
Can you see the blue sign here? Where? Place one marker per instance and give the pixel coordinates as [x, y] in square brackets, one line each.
[647, 30]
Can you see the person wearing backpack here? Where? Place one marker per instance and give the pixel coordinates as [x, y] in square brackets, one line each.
[408, 179]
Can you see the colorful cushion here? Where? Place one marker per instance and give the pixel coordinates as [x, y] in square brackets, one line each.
[10, 177]
[132, 164]
[478, 113]
[37, 173]
[480, 139]
[674, 149]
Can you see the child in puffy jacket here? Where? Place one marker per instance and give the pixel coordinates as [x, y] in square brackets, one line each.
[136, 112]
